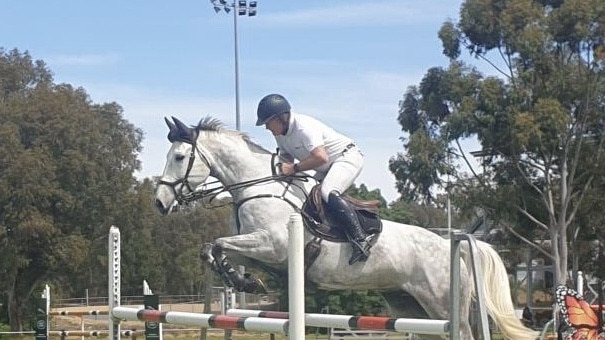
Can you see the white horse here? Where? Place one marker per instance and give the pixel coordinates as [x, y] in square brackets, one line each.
[406, 260]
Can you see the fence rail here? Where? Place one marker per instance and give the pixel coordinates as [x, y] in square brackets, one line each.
[164, 299]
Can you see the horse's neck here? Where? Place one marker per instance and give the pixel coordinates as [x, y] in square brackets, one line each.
[235, 162]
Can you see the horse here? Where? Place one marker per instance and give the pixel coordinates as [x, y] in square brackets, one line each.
[406, 260]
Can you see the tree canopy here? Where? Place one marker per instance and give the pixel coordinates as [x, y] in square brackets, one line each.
[539, 119]
[66, 165]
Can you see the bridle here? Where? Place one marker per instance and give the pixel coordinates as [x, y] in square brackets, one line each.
[180, 197]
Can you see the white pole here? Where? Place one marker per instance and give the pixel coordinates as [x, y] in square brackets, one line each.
[580, 283]
[46, 295]
[296, 283]
[114, 280]
[236, 56]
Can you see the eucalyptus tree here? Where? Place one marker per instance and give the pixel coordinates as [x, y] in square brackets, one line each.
[538, 117]
[65, 166]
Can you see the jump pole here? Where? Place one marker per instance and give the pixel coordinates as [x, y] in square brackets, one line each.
[253, 324]
[296, 277]
[402, 325]
[278, 326]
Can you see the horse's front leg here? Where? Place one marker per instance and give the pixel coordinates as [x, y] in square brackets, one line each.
[214, 255]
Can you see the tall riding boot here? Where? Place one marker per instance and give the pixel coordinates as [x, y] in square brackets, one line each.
[347, 217]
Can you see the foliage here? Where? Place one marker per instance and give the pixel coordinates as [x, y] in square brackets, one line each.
[66, 165]
[539, 123]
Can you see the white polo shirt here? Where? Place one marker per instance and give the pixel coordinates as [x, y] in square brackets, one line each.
[305, 133]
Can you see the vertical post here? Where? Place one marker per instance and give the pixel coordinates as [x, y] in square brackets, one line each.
[208, 298]
[241, 295]
[227, 299]
[42, 312]
[580, 283]
[153, 329]
[454, 287]
[114, 280]
[296, 281]
[236, 55]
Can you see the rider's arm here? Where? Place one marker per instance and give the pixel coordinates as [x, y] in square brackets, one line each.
[316, 158]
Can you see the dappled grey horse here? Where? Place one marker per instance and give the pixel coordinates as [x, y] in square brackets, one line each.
[405, 261]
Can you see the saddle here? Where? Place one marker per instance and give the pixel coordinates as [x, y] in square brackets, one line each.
[318, 220]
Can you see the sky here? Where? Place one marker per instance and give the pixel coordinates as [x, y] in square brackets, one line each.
[347, 63]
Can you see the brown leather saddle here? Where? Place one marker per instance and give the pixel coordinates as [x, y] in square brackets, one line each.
[318, 220]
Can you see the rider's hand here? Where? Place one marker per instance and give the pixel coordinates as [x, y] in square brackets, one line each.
[287, 169]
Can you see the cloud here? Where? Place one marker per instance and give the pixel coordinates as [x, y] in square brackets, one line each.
[84, 59]
[370, 13]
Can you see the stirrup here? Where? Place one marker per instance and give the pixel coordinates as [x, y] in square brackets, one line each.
[361, 249]
[358, 256]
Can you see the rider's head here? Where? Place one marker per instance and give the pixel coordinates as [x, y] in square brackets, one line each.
[271, 106]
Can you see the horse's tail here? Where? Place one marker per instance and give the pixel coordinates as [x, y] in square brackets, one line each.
[496, 292]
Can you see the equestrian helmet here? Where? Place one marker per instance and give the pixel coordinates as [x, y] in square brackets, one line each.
[270, 106]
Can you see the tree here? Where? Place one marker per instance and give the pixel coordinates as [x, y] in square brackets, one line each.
[65, 166]
[540, 123]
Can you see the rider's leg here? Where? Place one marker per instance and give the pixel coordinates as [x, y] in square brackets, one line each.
[339, 178]
[347, 217]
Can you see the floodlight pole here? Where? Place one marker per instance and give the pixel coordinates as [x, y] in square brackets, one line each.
[236, 56]
[239, 8]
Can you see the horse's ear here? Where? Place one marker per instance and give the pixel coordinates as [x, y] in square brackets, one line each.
[170, 124]
[185, 133]
[173, 133]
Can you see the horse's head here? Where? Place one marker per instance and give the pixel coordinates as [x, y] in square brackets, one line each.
[185, 168]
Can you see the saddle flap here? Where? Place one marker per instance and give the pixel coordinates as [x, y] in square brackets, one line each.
[319, 221]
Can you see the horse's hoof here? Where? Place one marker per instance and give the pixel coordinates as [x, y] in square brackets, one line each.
[216, 250]
[254, 285]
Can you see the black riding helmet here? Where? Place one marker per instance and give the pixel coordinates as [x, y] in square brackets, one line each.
[269, 106]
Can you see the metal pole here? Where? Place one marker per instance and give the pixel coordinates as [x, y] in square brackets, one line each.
[235, 14]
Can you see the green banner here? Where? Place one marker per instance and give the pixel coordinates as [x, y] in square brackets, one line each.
[152, 329]
[41, 320]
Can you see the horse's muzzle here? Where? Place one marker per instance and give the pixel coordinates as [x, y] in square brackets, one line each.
[161, 208]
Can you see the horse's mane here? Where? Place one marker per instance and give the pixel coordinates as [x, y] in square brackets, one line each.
[212, 124]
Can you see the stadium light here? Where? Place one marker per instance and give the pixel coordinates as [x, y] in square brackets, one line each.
[239, 7]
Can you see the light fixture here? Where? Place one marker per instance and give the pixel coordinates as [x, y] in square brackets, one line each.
[239, 7]
[252, 8]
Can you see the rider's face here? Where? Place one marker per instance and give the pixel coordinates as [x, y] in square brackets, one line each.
[274, 125]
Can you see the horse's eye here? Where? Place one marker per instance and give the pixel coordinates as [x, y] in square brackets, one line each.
[179, 158]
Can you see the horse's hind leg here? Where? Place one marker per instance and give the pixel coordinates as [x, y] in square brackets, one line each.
[214, 255]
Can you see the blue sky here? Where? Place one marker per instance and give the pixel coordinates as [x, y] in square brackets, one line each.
[347, 63]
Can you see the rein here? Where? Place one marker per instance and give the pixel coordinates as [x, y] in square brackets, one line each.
[194, 195]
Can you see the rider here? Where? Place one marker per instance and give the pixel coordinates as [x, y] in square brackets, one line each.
[335, 158]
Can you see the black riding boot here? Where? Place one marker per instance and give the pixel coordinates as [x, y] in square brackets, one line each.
[348, 218]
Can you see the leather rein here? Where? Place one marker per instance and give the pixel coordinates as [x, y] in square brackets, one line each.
[194, 195]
